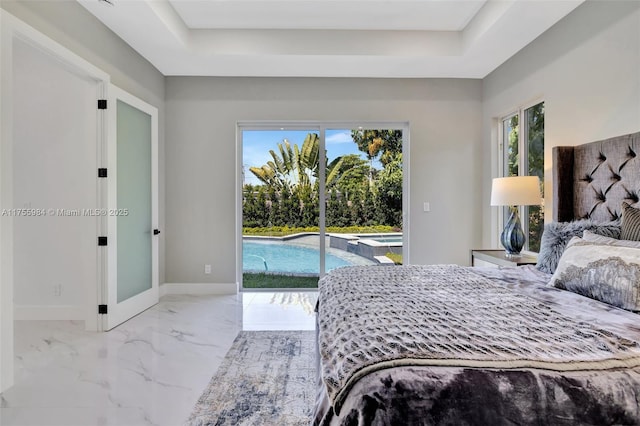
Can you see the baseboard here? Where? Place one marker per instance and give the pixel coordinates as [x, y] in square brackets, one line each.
[48, 313]
[198, 288]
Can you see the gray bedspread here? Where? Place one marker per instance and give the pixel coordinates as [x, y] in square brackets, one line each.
[445, 344]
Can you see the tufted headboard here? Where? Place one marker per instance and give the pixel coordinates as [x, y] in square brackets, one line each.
[592, 180]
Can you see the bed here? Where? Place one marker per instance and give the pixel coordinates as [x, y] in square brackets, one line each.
[554, 344]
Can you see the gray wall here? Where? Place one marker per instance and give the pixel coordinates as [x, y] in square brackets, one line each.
[587, 70]
[201, 117]
[52, 251]
[75, 28]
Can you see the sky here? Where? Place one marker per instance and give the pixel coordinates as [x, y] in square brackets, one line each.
[257, 143]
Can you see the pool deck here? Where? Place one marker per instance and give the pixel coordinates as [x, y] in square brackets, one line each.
[366, 245]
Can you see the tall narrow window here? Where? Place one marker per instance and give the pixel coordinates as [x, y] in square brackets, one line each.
[523, 154]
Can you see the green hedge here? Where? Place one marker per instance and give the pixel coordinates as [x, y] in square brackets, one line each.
[279, 231]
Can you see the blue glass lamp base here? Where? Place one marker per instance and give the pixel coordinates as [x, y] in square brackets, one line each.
[512, 237]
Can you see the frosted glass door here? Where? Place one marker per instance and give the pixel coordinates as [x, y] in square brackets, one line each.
[132, 214]
[134, 201]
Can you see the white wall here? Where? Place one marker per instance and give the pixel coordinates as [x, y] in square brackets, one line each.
[587, 70]
[54, 157]
[202, 112]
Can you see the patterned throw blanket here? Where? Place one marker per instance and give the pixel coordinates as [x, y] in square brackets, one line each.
[446, 315]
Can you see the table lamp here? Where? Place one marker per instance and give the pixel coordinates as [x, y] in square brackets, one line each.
[514, 191]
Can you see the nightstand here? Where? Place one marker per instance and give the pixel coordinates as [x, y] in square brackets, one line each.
[497, 258]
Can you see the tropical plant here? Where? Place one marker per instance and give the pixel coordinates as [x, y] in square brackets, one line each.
[350, 176]
[535, 159]
[389, 192]
[513, 158]
[297, 166]
[289, 194]
[307, 159]
[251, 209]
[386, 143]
[276, 173]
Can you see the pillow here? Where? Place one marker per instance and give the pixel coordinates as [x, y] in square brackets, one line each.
[630, 223]
[601, 239]
[608, 273]
[556, 235]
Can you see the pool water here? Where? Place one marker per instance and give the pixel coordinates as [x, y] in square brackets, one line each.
[393, 239]
[288, 258]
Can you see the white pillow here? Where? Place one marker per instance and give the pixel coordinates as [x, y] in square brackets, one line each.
[608, 273]
[601, 239]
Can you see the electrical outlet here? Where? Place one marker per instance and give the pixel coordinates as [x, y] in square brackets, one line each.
[57, 290]
[207, 269]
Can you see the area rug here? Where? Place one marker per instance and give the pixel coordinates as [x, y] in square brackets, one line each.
[266, 378]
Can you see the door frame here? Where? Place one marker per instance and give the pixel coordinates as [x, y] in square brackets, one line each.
[120, 312]
[14, 29]
[321, 126]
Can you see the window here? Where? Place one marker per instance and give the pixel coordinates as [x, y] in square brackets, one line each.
[522, 141]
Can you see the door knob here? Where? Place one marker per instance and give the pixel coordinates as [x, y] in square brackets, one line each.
[156, 231]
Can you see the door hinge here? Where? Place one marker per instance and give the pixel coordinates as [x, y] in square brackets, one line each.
[102, 104]
[102, 309]
[102, 172]
[102, 241]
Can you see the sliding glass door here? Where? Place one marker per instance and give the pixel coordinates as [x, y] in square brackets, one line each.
[317, 198]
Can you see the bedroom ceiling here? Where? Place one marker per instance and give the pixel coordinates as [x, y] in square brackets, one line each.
[329, 38]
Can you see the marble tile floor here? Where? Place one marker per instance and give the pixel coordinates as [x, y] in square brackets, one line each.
[148, 371]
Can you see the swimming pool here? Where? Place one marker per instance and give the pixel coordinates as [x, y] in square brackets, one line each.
[384, 239]
[287, 258]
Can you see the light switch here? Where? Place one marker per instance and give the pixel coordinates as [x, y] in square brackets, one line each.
[427, 207]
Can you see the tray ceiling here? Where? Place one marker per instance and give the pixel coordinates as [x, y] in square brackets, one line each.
[329, 38]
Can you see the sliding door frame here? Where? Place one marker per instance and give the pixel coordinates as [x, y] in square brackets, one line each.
[321, 127]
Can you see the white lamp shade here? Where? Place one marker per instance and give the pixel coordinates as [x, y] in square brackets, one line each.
[516, 191]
